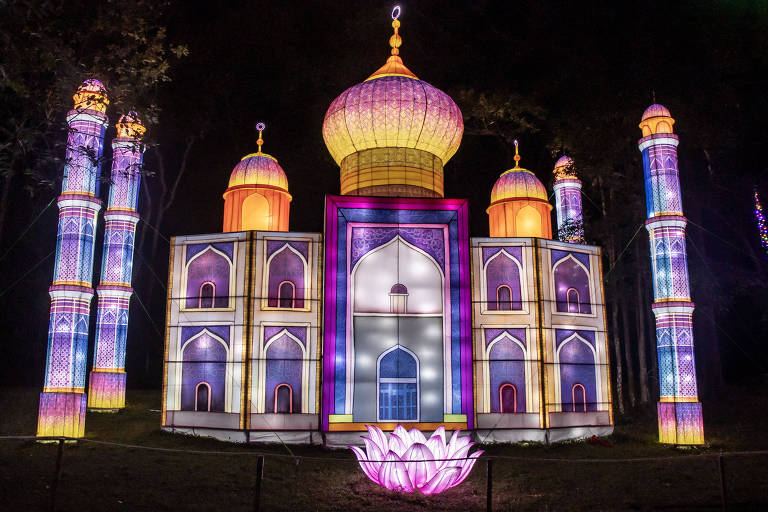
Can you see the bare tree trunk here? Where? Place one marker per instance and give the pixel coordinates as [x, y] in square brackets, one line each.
[616, 342]
[642, 333]
[631, 393]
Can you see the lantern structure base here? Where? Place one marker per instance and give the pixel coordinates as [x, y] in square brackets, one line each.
[62, 414]
[106, 392]
[681, 423]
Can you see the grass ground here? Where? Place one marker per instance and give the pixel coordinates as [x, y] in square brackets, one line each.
[109, 478]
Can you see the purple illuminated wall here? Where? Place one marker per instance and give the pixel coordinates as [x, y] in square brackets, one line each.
[569, 275]
[576, 358]
[204, 360]
[502, 270]
[506, 366]
[284, 266]
[63, 400]
[283, 366]
[206, 265]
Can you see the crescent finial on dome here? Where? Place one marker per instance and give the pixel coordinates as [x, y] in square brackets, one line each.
[394, 65]
[260, 141]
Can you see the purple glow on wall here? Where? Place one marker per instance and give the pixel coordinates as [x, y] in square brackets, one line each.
[407, 461]
[284, 361]
[577, 368]
[503, 271]
[204, 360]
[286, 265]
[569, 276]
[208, 267]
[507, 366]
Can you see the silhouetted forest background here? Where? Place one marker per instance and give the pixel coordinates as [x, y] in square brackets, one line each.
[563, 77]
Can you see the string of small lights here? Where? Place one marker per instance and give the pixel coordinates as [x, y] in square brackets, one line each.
[761, 225]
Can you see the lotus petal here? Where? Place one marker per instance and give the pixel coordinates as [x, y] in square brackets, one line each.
[441, 481]
[403, 434]
[393, 474]
[374, 456]
[418, 462]
[378, 437]
[469, 463]
[436, 444]
[417, 436]
[370, 470]
[398, 445]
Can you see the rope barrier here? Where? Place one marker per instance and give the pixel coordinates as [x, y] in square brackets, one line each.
[350, 459]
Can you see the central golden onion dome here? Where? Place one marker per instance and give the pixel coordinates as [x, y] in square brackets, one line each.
[392, 134]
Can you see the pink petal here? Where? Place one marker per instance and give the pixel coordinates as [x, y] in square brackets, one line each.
[375, 456]
[370, 470]
[393, 475]
[441, 481]
[403, 434]
[378, 437]
[467, 467]
[417, 436]
[417, 461]
[398, 445]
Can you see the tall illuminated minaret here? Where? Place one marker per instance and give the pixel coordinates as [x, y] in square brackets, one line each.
[679, 409]
[63, 401]
[106, 390]
[570, 221]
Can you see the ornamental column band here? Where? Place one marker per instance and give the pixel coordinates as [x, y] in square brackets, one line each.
[567, 187]
[63, 400]
[680, 418]
[106, 391]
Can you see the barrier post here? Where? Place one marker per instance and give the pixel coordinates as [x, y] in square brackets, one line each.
[257, 489]
[57, 474]
[721, 470]
[489, 487]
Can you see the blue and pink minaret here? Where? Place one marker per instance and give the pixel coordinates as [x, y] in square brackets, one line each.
[679, 409]
[106, 390]
[63, 400]
[567, 187]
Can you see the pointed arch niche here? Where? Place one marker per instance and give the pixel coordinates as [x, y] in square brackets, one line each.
[506, 364]
[204, 361]
[209, 266]
[286, 280]
[572, 286]
[502, 283]
[577, 375]
[283, 370]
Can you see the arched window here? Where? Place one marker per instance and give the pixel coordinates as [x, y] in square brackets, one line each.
[571, 275]
[203, 397]
[572, 298]
[398, 299]
[507, 398]
[207, 293]
[283, 398]
[398, 371]
[504, 297]
[286, 274]
[286, 293]
[579, 397]
[208, 266]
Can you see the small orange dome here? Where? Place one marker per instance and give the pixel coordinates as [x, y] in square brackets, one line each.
[518, 183]
[656, 120]
[259, 169]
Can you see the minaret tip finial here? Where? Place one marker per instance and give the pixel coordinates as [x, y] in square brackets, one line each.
[395, 41]
[517, 154]
[260, 141]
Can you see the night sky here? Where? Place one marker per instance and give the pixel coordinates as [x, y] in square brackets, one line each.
[578, 74]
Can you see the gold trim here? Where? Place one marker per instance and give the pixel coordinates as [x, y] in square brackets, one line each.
[107, 370]
[539, 320]
[605, 329]
[674, 399]
[168, 330]
[361, 426]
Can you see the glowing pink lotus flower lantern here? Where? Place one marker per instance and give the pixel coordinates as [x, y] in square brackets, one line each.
[408, 461]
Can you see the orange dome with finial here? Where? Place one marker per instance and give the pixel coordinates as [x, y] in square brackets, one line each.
[257, 197]
[392, 133]
[519, 204]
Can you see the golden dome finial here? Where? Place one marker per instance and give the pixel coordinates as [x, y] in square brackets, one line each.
[260, 141]
[395, 41]
[517, 155]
